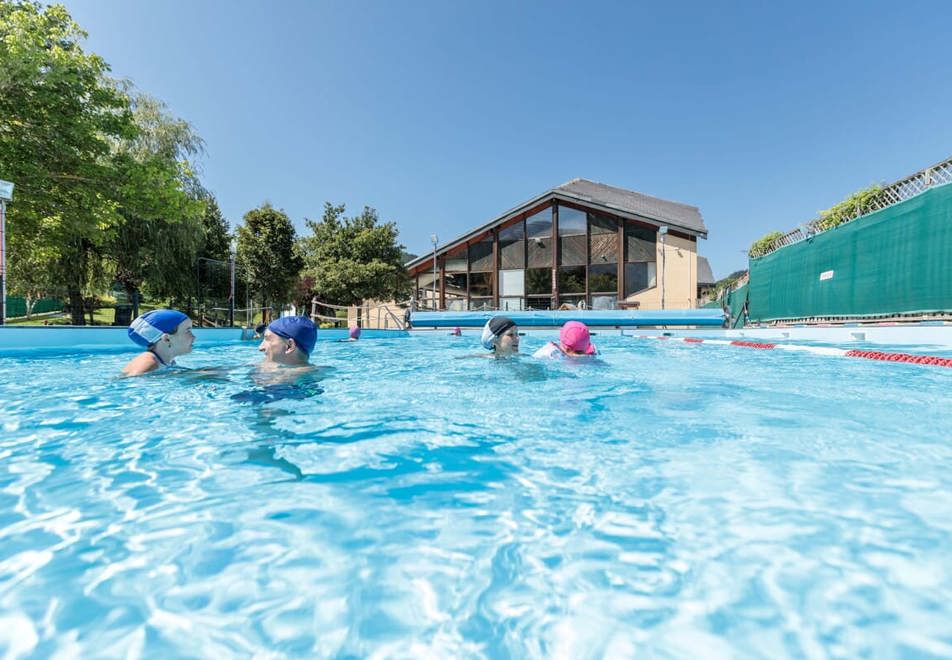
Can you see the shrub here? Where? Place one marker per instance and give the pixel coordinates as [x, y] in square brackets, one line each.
[857, 204]
[762, 245]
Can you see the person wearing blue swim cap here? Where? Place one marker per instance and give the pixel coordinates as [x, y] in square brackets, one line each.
[288, 341]
[165, 334]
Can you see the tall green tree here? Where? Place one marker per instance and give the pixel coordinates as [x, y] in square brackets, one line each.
[354, 259]
[267, 255]
[161, 204]
[60, 116]
[29, 274]
[214, 275]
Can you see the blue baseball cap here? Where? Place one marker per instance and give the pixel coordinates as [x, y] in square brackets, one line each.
[149, 328]
[298, 328]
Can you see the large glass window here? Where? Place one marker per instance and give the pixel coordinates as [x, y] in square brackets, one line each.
[539, 281]
[512, 246]
[571, 280]
[604, 239]
[481, 285]
[640, 276]
[573, 244]
[603, 278]
[539, 239]
[456, 260]
[427, 295]
[603, 247]
[481, 256]
[456, 285]
[640, 258]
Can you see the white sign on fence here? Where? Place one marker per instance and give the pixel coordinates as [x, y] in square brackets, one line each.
[6, 191]
[826, 275]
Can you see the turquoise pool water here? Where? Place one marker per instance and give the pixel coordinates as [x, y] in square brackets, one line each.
[668, 500]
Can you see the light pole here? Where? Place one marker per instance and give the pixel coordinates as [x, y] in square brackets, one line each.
[434, 239]
[232, 252]
[6, 195]
[662, 232]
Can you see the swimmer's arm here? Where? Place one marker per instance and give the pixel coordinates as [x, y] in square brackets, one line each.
[143, 363]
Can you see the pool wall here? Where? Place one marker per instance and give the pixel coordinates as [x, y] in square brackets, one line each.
[19, 338]
[913, 335]
[14, 338]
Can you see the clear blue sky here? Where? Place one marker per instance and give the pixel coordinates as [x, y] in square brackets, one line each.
[443, 114]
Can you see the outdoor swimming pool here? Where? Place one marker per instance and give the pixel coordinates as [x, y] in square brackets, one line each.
[667, 500]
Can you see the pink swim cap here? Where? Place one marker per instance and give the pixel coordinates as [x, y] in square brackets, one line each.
[354, 332]
[574, 336]
[457, 332]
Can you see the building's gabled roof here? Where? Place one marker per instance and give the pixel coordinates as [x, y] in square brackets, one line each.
[618, 201]
[705, 276]
[675, 214]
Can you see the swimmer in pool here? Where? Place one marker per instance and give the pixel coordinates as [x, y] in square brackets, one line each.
[165, 334]
[574, 342]
[501, 336]
[353, 334]
[288, 342]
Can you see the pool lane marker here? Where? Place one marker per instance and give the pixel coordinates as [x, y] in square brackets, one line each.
[931, 360]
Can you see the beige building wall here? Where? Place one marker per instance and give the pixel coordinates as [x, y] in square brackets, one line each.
[679, 276]
[377, 314]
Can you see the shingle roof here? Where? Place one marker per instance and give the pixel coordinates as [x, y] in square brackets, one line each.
[675, 213]
[704, 273]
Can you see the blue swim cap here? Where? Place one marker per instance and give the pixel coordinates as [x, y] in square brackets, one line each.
[298, 328]
[149, 328]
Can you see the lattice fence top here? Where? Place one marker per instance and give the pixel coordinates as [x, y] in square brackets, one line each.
[894, 193]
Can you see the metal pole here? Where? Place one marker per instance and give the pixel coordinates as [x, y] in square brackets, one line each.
[3, 262]
[663, 231]
[231, 296]
[435, 240]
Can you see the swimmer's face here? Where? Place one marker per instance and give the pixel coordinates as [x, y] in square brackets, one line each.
[278, 349]
[508, 342]
[180, 342]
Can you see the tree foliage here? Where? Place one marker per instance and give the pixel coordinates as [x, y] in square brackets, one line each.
[763, 244]
[161, 204]
[859, 203]
[59, 118]
[267, 257]
[354, 259]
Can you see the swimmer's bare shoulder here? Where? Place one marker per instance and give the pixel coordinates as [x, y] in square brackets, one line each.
[141, 364]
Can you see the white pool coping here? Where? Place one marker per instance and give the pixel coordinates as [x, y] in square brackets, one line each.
[25, 338]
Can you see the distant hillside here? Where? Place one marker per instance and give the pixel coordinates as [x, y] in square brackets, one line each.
[729, 281]
[407, 257]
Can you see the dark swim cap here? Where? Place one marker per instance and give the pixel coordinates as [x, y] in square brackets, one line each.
[298, 328]
[149, 328]
[495, 327]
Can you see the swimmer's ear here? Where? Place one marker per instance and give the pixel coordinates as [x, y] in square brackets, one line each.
[292, 345]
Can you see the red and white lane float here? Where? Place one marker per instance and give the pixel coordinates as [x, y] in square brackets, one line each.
[931, 360]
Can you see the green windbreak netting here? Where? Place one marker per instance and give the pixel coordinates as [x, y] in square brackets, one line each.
[897, 260]
[736, 300]
[16, 306]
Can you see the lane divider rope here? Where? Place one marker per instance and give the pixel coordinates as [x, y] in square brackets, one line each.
[931, 360]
